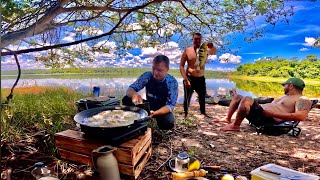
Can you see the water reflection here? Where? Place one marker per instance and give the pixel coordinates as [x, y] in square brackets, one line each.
[114, 86]
[273, 89]
[118, 86]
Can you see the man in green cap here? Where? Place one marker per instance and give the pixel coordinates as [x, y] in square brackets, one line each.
[292, 106]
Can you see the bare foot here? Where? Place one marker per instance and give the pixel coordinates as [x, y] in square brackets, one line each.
[225, 120]
[231, 127]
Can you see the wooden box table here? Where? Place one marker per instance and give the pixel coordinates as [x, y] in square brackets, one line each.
[132, 155]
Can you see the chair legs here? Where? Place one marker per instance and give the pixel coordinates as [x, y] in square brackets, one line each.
[295, 132]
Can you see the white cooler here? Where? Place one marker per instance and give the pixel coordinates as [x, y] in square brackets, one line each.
[285, 174]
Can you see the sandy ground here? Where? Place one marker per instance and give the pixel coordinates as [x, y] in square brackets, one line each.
[239, 152]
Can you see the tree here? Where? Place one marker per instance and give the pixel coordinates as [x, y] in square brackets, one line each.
[317, 43]
[39, 25]
[312, 58]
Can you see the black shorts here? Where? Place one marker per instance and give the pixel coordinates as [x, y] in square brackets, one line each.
[256, 116]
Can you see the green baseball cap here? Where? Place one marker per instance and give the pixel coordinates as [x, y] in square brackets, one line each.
[297, 82]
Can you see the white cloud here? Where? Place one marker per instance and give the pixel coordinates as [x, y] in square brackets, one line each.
[277, 36]
[294, 43]
[89, 31]
[168, 29]
[212, 58]
[304, 49]
[221, 69]
[107, 45]
[302, 8]
[149, 51]
[172, 50]
[230, 58]
[10, 64]
[129, 55]
[15, 47]
[133, 26]
[69, 37]
[308, 28]
[254, 53]
[309, 41]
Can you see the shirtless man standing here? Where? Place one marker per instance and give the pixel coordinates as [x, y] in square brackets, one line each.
[193, 77]
[292, 106]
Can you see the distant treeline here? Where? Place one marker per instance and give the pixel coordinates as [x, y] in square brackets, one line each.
[280, 67]
[273, 89]
[108, 71]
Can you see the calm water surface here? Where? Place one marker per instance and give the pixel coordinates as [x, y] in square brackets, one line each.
[118, 86]
[115, 86]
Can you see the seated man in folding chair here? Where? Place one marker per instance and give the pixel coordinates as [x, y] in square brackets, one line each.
[292, 106]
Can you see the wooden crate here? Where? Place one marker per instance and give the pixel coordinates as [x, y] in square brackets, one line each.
[132, 155]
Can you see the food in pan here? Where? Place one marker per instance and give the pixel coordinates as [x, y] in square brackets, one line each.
[113, 118]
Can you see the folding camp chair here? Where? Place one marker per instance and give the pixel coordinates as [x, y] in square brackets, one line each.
[285, 127]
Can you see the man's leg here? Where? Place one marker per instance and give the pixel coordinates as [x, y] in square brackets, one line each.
[127, 101]
[243, 111]
[201, 91]
[233, 107]
[187, 97]
[165, 122]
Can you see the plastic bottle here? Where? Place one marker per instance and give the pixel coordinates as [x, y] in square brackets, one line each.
[41, 172]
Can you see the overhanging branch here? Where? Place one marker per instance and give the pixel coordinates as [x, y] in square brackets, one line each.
[10, 96]
[83, 40]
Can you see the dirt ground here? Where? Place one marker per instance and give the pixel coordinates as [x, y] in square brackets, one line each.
[239, 152]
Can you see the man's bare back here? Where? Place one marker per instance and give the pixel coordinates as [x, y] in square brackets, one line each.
[191, 57]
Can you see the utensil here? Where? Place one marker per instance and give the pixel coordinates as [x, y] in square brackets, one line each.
[145, 105]
[282, 177]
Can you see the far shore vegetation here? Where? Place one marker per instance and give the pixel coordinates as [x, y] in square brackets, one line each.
[280, 68]
[270, 69]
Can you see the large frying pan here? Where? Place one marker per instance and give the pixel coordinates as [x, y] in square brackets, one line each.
[110, 131]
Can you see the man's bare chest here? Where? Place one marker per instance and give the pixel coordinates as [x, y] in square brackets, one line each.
[287, 102]
[191, 57]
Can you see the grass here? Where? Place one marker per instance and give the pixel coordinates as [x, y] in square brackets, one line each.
[192, 151]
[189, 121]
[36, 109]
[107, 72]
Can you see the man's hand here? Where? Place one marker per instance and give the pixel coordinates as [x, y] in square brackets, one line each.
[211, 49]
[267, 113]
[152, 113]
[137, 99]
[187, 83]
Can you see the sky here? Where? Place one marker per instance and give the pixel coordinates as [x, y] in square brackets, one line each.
[286, 40]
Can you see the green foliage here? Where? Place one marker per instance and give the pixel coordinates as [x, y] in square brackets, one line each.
[273, 89]
[41, 23]
[51, 110]
[278, 67]
[12, 9]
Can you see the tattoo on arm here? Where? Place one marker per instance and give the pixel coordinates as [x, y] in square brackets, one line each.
[303, 104]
